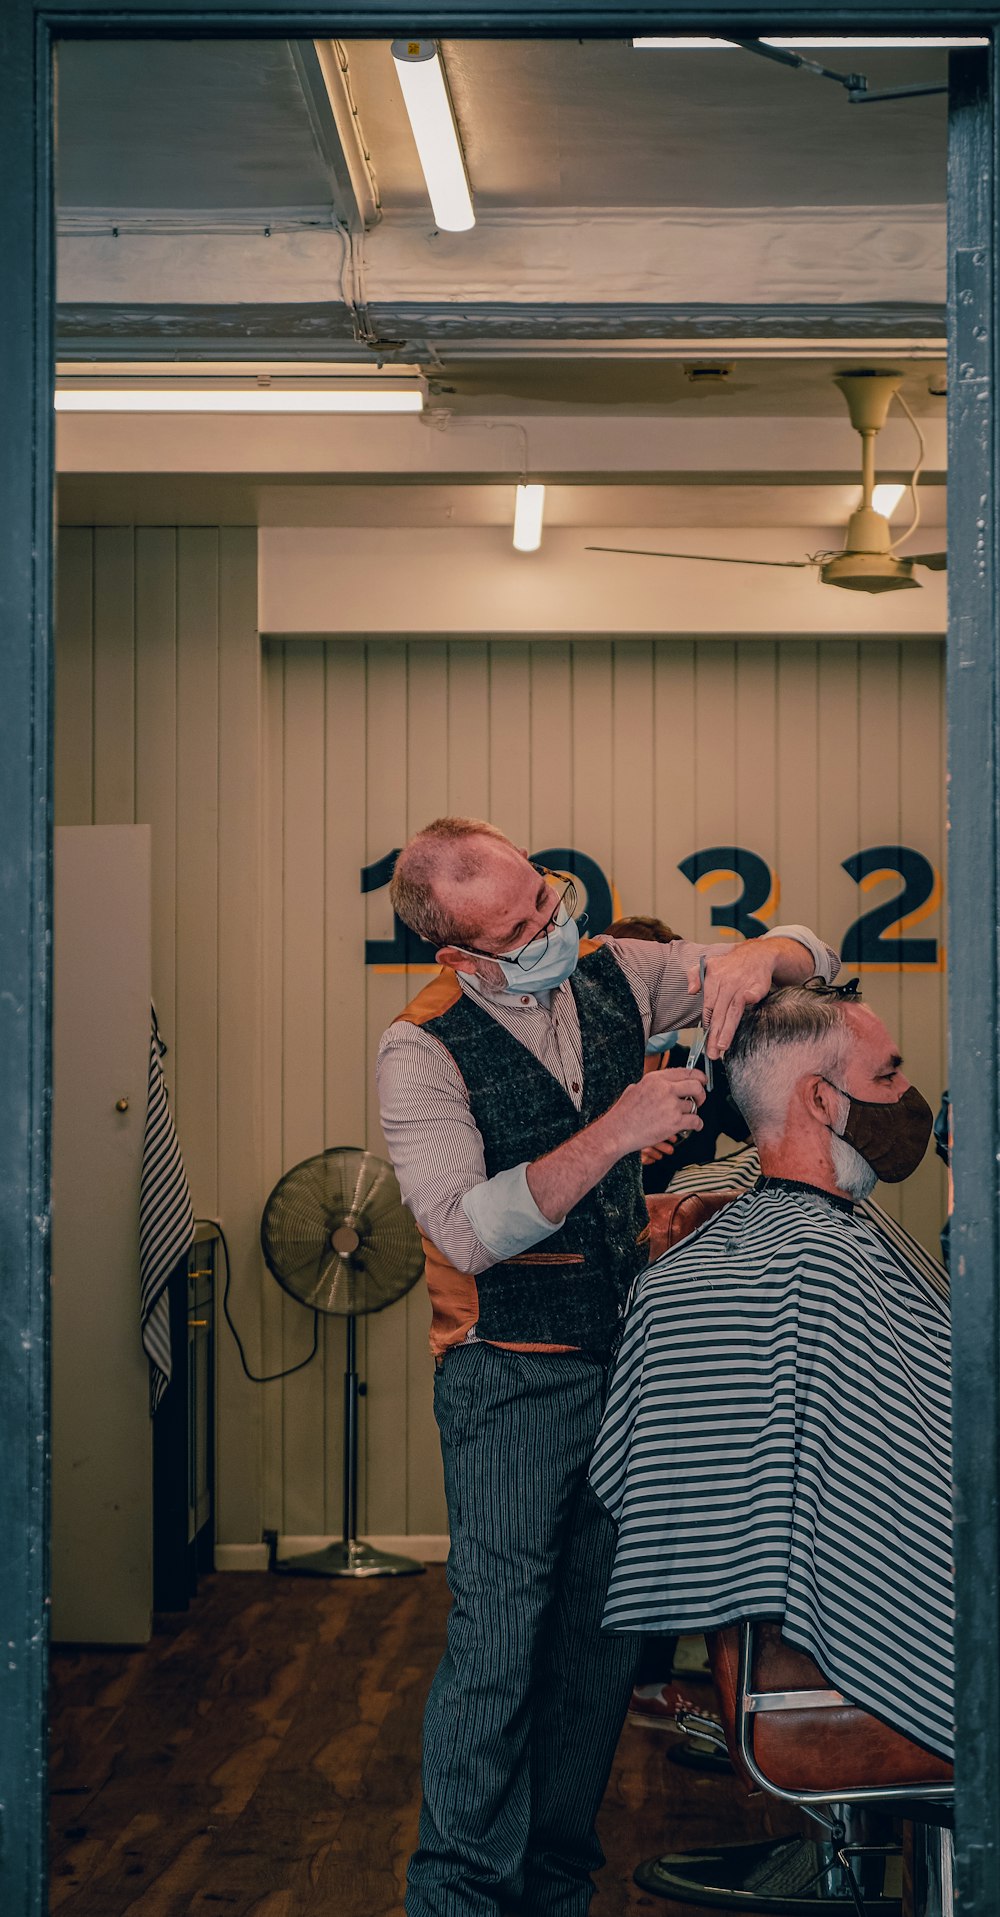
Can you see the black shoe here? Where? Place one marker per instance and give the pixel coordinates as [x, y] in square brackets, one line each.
[787, 1875]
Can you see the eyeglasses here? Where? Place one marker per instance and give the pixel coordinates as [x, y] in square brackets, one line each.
[851, 988]
[567, 899]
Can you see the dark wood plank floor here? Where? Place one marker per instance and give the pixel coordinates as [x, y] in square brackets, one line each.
[260, 1759]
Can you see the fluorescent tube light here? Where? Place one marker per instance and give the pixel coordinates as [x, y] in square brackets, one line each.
[886, 498]
[199, 387]
[680, 44]
[529, 507]
[881, 40]
[181, 399]
[425, 94]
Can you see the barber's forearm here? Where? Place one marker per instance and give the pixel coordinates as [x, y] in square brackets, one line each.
[806, 948]
[794, 963]
[558, 1181]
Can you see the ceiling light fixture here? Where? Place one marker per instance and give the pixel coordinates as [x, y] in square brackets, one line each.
[432, 118]
[886, 498]
[684, 45]
[202, 388]
[529, 509]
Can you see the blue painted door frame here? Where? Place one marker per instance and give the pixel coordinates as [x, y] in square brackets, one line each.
[28, 31]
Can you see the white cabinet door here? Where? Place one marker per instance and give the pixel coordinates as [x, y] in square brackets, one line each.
[102, 1518]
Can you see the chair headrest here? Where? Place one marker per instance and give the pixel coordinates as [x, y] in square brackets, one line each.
[672, 1215]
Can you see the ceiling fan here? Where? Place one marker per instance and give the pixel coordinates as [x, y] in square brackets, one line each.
[868, 561]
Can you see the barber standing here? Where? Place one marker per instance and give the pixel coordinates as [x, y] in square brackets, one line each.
[514, 1107]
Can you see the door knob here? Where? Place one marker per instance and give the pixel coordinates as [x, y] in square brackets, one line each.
[121, 1104]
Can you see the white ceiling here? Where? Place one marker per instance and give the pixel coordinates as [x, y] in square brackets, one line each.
[174, 125]
[597, 123]
[179, 138]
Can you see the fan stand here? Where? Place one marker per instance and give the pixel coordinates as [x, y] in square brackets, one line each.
[351, 1557]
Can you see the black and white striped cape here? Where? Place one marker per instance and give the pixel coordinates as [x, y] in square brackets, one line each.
[166, 1221]
[740, 1172]
[777, 1444]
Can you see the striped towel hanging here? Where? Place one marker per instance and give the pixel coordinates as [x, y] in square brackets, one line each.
[166, 1220]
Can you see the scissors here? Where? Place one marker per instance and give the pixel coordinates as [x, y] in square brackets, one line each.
[696, 1058]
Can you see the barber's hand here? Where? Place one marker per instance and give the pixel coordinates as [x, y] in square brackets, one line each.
[651, 1154]
[659, 1108]
[733, 980]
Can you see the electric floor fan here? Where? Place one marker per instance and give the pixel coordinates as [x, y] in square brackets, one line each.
[336, 1236]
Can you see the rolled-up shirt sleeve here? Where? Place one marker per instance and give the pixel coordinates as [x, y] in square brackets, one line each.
[437, 1154]
[658, 974]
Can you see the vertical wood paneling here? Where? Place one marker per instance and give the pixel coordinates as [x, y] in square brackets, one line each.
[878, 810]
[273, 1303]
[633, 816]
[346, 1080]
[240, 1109]
[114, 676]
[266, 799]
[714, 771]
[510, 759]
[196, 1077]
[593, 751]
[402, 1412]
[838, 824]
[157, 723]
[674, 780]
[74, 677]
[551, 745]
[387, 733]
[303, 1062]
[922, 1005]
[798, 790]
[469, 729]
[756, 724]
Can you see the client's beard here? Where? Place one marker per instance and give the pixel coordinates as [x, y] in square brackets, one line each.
[853, 1173]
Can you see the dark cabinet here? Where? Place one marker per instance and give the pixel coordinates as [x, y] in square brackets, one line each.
[184, 1434]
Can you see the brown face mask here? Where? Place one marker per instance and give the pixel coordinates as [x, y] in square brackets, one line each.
[893, 1138]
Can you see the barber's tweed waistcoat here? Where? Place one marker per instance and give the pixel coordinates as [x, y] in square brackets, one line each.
[571, 1288]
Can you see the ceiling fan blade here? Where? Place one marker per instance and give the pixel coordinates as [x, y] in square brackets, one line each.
[934, 561]
[708, 558]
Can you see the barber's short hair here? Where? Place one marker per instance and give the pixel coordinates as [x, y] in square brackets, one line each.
[794, 1030]
[448, 849]
[642, 928]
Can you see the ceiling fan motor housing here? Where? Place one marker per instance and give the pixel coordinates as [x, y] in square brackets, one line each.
[868, 571]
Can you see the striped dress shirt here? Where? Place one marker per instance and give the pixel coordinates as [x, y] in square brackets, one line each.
[431, 1134]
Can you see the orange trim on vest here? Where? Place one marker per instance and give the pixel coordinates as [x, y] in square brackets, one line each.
[436, 998]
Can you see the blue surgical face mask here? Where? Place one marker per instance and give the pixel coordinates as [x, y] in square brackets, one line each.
[661, 1042]
[555, 958]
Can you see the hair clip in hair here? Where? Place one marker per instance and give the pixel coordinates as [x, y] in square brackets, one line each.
[851, 988]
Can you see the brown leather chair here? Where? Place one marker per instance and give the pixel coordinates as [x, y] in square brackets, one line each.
[672, 1215]
[790, 1733]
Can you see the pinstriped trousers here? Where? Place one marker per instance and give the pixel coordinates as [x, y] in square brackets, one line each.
[527, 1704]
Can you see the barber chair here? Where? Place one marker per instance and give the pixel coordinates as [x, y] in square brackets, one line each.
[790, 1734]
[672, 1215]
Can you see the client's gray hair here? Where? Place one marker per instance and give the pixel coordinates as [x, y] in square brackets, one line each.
[792, 1031]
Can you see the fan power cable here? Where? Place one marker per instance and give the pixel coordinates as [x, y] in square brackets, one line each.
[267, 1377]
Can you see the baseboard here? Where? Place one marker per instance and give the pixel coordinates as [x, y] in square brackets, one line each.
[429, 1549]
[240, 1557]
[253, 1557]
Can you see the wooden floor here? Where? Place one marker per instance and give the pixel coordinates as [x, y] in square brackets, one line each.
[261, 1756]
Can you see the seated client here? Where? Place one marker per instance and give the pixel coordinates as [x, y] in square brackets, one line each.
[777, 1438]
